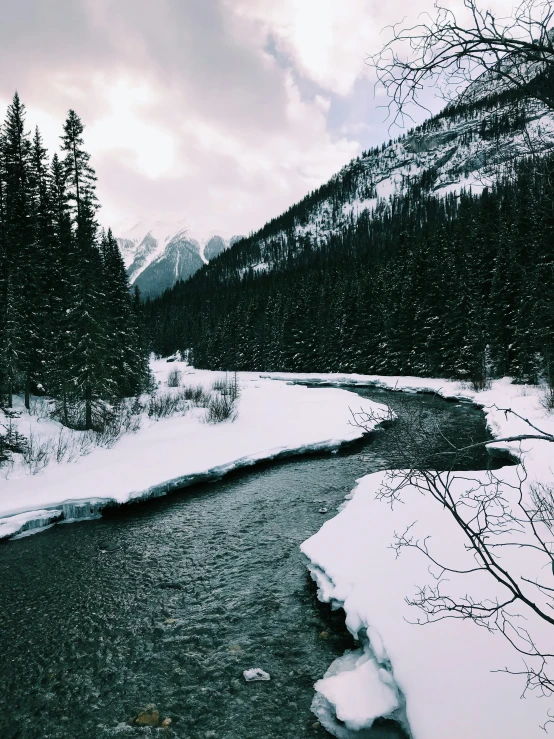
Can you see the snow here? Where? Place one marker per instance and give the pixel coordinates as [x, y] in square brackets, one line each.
[440, 679]
[359, 690]
[274, 419]
[163, 234]
[448, 671]
[256, 674]
[452, 146]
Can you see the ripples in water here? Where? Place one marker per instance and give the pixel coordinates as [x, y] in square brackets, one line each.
[168, 602]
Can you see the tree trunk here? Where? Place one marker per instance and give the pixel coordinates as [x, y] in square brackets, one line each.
[65, 419]
[88, 408]
[27, 390]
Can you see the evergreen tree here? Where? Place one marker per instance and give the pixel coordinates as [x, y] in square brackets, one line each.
[125, 355]
[91, 373]
[80, 176]
[68, 325]
[19, 247]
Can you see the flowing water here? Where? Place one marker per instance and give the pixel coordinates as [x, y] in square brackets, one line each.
[167, 602]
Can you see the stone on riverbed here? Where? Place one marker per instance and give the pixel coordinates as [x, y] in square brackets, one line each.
[254, 674]
[149, 717]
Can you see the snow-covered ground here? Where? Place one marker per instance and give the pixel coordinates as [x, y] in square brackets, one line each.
[274, 419]
[443, 677]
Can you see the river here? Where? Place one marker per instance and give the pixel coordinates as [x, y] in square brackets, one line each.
[167, 602]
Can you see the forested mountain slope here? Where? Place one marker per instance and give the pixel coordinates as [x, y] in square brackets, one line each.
[469, 145]
[431, 255]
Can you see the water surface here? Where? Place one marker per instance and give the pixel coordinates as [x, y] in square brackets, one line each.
[167, 602]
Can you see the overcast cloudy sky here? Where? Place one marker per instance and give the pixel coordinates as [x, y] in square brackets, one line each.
[221, 112]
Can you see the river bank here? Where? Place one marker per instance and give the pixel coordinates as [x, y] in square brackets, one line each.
[433, 678]
[274, 419]
[449, 676]
[169, 601]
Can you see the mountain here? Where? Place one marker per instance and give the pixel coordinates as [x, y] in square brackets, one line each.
[469, 145]
[159, 254]
[432, 254]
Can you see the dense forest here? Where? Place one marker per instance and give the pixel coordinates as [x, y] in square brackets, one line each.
[460, 286]
[69, 326]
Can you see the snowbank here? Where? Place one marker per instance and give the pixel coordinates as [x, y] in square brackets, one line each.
[274, 419]
[445, 670]
[449, 389]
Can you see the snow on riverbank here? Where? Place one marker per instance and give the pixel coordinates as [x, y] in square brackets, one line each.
[441, 679]
[274, 419]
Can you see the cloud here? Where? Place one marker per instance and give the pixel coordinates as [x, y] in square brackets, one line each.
[326, 40]
[148, 148]
[223, 112]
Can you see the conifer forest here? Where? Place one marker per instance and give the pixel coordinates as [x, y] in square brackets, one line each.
[453, 286]
[69, 327]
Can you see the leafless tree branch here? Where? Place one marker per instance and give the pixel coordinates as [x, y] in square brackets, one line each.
[448, 51]
[495, 517]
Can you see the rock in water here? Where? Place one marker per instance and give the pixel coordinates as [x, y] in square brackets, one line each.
[149, 717]
[255, 673]
[323, 510]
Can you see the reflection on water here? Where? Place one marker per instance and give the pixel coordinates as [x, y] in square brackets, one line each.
[167, 603]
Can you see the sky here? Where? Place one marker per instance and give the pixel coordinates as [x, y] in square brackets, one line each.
[222, 113]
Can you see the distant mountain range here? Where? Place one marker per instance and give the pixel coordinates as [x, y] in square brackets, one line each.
[159, 254]
[468, 145]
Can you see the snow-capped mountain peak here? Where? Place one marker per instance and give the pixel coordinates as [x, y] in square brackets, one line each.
[157, 254]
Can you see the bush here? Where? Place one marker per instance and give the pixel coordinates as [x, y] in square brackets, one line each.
[163, 405]
[37, 453]
[547, 398]
[219, 385]
[198, 397]
[220, 408]
[228, 387]
[174, 378]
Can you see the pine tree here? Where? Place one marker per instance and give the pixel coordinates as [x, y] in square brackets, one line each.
[59, 378]
[43, 300]
[90, 377]
[19, 244]
[3, 263]
[68, 325]
[125, 355]
[80, 176]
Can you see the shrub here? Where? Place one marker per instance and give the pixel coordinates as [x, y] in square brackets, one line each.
[174, 378]
[198, 397]
[163, 405]
[220, 408]
[37, 453]
[547, 398]
[219, 385]
[228, 387]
